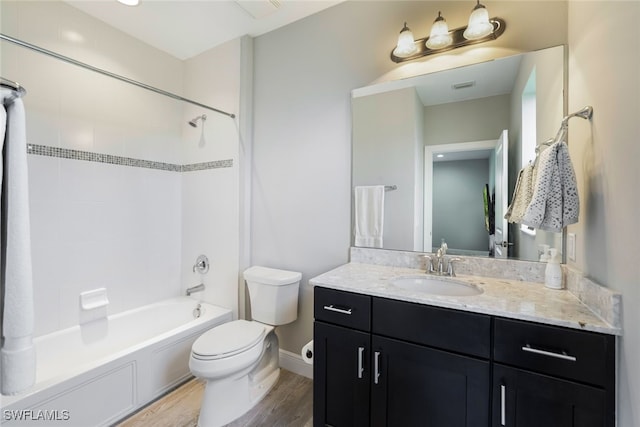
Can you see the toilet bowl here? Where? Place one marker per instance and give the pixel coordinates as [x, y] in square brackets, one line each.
[228, 349]
[239, 359]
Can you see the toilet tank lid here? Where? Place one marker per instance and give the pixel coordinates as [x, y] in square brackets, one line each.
[271, 276]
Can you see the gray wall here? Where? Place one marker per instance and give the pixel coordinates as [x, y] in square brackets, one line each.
[458, 209]
[465, 121]
[385, 142]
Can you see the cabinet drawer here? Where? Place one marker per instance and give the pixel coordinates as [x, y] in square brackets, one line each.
[578, 355]
[459, 331]
[342, 308]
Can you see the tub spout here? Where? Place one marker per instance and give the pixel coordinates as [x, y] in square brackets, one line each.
[193, 289]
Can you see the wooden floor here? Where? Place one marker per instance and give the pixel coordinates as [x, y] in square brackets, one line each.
[288, 404]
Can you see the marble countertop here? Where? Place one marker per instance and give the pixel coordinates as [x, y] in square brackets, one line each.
[500, 297]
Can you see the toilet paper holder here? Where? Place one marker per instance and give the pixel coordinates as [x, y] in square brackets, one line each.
[307, 353]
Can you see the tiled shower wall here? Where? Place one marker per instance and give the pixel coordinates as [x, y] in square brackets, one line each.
[107, 167]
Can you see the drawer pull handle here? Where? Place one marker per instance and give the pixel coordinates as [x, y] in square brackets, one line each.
[530, 349]
[337, 310]
[503, 405]
[360, 360]
[376, 367]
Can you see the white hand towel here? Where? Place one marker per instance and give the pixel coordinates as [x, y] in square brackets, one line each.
[17, 353]
[369, 215]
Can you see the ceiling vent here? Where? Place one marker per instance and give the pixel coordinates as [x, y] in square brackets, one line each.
[463, 85]
[259, 9]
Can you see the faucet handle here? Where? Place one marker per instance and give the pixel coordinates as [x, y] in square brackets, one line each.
[429, 263]
[450, 271]
[201, 265]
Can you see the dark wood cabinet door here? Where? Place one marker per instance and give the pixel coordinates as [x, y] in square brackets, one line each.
[525, 399]
[341, 372]
[413, 385]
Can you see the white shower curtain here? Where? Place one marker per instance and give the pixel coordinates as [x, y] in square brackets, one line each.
[17, 356]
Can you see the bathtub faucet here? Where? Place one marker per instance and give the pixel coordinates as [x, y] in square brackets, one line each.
[193, 289]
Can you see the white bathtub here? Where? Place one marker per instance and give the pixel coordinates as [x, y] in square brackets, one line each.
[96, 374]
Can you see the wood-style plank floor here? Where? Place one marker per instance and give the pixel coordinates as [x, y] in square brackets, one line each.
[288, 404]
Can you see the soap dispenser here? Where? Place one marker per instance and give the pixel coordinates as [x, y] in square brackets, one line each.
[553, 272]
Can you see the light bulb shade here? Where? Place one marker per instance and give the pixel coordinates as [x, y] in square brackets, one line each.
[479, 25]
[406, 43]
[439, 36]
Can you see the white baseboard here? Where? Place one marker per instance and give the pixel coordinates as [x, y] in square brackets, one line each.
[294, 363]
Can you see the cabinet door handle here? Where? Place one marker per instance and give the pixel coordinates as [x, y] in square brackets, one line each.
[360, 361]
[376, 367]
[503, 405]
[337, 310]
[530, 349]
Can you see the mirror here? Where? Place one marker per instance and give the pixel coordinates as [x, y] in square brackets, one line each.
[434, 142]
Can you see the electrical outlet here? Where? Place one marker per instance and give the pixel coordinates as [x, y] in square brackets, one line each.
[571, 246]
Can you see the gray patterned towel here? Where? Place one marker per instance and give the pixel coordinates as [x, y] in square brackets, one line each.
[555, 203]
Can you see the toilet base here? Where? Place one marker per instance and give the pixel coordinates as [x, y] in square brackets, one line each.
[227, 400]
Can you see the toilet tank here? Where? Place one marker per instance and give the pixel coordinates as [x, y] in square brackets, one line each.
[273, 294]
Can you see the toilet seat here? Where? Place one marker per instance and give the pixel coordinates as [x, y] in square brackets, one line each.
[228, 339]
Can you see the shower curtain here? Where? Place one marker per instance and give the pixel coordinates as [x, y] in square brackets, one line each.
[17, 356]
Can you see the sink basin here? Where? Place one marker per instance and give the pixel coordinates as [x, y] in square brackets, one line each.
[435, 286]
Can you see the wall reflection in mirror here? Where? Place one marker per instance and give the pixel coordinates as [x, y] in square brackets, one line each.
[445, 137]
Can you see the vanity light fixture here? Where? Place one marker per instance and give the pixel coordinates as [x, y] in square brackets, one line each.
[439, 37]
[480, 29]
[479, 25]
[406, 45]
[129, 2]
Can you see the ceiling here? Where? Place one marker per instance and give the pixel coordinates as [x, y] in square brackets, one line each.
[185, 28]
[490, 78]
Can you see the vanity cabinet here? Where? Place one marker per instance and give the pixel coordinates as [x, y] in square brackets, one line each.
[384, 362]
[547, 375]
[391, 372]
[341, 365]
[341, 384]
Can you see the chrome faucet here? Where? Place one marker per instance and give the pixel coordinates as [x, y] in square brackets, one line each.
[193, 289]
[442, 251]
[435, 263]
[440, 261]
[443, 247]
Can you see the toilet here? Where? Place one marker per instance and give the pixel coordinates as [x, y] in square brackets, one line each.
[239, 359]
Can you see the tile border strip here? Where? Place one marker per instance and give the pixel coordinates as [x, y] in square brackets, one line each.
[207, 165]
[67, 153]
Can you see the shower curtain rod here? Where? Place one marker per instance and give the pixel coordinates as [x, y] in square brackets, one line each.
[109, 74]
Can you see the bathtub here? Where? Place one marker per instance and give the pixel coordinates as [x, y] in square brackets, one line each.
[98, 373]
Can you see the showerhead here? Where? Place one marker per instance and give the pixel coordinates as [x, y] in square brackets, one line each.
[194, 122]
